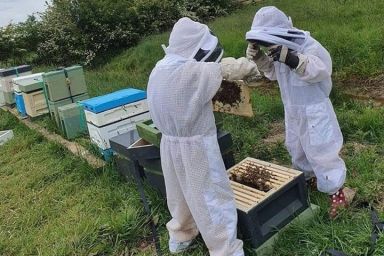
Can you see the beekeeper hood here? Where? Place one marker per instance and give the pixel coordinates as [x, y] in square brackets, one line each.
[274, 27]
[193, 40]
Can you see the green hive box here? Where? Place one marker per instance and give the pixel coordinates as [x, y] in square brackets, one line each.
[61, 84]
[72, 120]
[54, 106]
[56, 85]
[76, 78]
[149, 133]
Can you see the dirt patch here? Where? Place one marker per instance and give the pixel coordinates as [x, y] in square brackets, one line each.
[254, 177]
[276, 134]
[354, 147]
[365, 89]
[380, 202]
[146, 245]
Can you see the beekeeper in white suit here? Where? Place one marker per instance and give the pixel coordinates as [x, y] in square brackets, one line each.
[180, 92]
[303, 68]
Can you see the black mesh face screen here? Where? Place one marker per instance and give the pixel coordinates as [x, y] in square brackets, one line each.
[201, 54]
[215, 55]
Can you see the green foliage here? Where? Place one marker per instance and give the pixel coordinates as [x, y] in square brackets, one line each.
[18, 42]
[63, 42]
[84, 31]
[206, 9]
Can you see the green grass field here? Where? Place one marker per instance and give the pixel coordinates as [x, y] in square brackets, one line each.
[53, 203]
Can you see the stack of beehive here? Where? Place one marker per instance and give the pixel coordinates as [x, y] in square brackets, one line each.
[6, 86]
[63, 87]
[29, 95]
[113, 114]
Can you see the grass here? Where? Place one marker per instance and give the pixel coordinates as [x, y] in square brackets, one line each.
[53, 203]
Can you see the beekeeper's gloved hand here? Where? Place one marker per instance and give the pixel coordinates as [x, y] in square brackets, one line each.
[252, 51]
[284, 55]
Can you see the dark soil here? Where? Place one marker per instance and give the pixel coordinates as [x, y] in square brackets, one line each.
[228, 94]
[254, 177]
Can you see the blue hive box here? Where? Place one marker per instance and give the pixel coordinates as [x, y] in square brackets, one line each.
[113, 100]
[20, 104]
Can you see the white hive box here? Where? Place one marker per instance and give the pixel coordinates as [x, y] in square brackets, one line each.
[5, 136]
[2, 99]
[101, 135]
[114, 114]
[6, 76]
[26, 80]
[117, 114]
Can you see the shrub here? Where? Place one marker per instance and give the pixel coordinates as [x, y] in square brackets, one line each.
[19, 42]
[83, 30]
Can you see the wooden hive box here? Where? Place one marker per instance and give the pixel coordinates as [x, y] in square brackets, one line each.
[263, 213]
[35, 103]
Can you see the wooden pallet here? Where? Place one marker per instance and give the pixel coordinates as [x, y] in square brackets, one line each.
[247, 197]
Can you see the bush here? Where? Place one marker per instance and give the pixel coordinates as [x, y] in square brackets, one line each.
[62, 40]
[207, 9]
[83, 30]
[19, 42]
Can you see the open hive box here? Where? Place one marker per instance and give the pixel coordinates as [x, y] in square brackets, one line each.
[268, 197]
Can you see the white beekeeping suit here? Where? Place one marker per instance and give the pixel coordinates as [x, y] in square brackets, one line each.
[313, 136]
[180, 91]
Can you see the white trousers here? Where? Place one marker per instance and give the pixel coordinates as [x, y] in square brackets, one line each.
[199, 195]
[314, 140]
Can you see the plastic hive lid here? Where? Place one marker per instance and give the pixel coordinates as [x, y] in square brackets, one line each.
[15, 70]
[7, 72]
[24, 68]
[28, 79]
[113, 100]
[34, 86]
[29, 83]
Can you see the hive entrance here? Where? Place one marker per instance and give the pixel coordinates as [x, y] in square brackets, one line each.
[253, 181]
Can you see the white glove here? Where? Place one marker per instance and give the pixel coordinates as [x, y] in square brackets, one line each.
[238, 69]
[252, 51]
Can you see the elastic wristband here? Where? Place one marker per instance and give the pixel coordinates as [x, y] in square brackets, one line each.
[303, 61]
